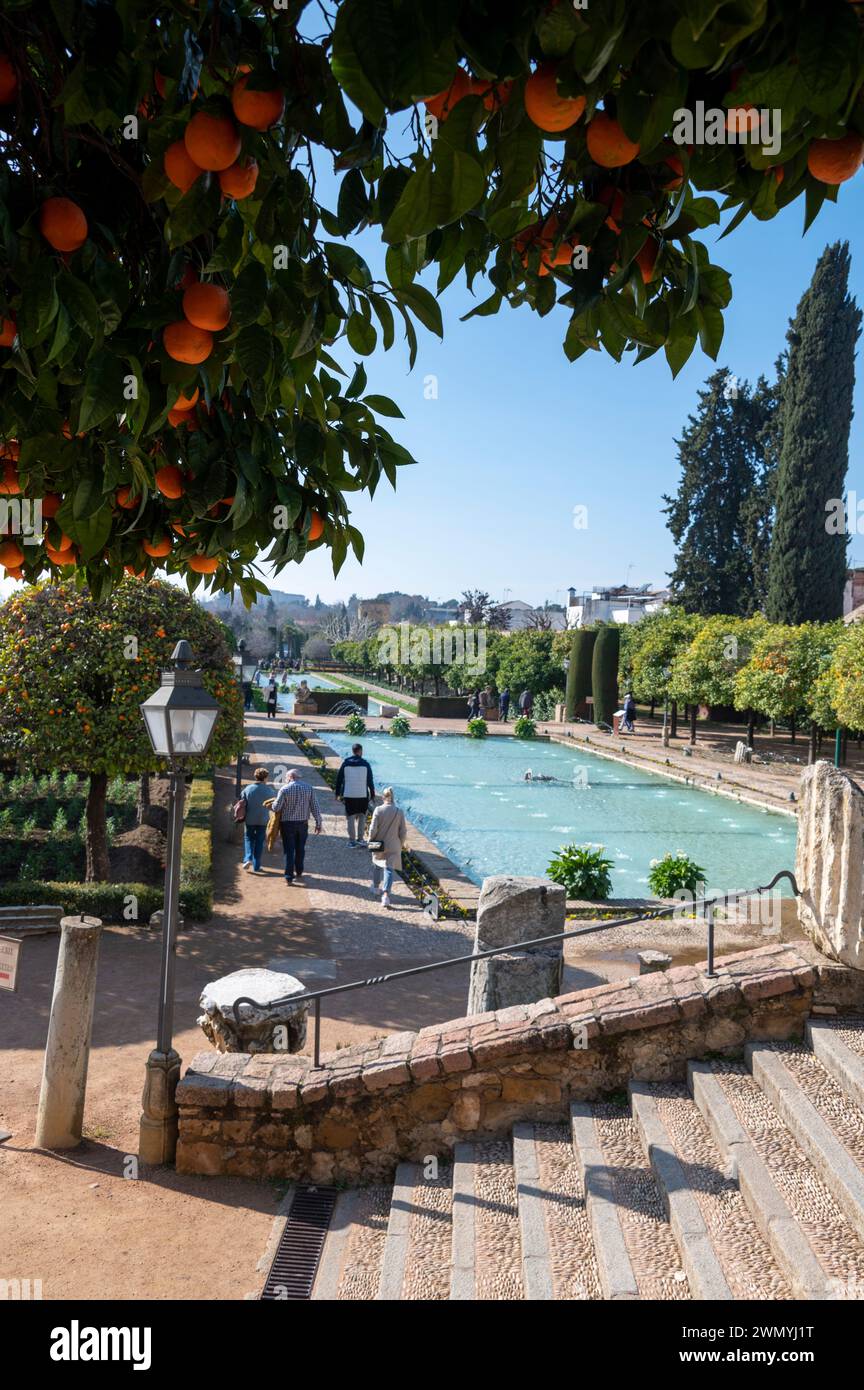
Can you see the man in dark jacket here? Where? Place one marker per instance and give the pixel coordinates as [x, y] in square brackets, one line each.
[355, 786]
[526, 703]
[504, 704]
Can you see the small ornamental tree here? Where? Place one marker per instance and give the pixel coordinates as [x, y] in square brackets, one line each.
[785, 663]
[842, 691]
[528, 660]
[73, 674]
[705, 672]
[181, 311]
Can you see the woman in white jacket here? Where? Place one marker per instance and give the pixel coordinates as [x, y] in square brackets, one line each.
[389, 829]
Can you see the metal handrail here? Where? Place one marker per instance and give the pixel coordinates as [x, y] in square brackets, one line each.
[709, 903]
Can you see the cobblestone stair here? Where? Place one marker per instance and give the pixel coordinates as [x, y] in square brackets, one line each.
[745, 1183]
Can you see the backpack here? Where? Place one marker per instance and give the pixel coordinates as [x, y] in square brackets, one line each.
[239, 809]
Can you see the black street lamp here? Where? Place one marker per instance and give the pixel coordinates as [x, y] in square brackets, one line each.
[245, 670]
[180, 718]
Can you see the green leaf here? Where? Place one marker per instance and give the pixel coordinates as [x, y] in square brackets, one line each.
[39, 305]
[681, 341]
[253, 349]
[361, 334]
[80, 302]
[382, 405]
[103, 389]
[353, 204]
[711, 329]
[384, 314]
[436, 195]
[196, 212]
[357, 384]
[249, 295]
[827, 39]
[425, 306]
[92, 530]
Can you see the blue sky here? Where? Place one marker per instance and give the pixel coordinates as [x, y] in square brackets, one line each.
[518, 436]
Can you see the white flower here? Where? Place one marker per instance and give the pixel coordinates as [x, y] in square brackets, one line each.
[654, 863]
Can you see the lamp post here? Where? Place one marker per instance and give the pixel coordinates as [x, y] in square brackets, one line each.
[179, 717]
[666, 674]
[245, 675]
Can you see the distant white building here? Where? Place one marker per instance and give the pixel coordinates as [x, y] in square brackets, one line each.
[620, 605]
[523, 615]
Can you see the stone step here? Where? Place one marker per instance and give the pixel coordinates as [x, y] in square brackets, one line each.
[800, 1185]
[350, 1266]
[486, 1259]
[699, 1259]
[417, 1251]
[748, 1264]
[634, 1247]
[775, 1221]
[825, 1124]
[839, 1046]
[558, 1258]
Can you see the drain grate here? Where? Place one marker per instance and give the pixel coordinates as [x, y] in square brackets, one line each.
[295, 1263]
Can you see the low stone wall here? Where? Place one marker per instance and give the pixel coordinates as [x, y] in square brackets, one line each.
[410, 1095]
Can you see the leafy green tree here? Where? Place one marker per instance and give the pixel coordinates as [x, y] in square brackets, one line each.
[807, 565]
[110, 103]
[785, 663]
[73, 673]
[654, 645]
[705, 671]
[840, 692]
[721, 512]
[527, 660]
[579, 670]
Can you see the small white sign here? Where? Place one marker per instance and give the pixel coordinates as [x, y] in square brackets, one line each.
[9, 949]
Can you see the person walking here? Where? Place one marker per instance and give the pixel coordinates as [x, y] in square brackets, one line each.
[389, 831]
[355, 785]
[295, 803]
[255, 820]
[526, 703]
[629, 714]
[247, 694]
[504, 704]
[474, 705]
[272, 698]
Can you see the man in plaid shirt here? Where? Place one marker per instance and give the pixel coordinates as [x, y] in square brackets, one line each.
[296, 801]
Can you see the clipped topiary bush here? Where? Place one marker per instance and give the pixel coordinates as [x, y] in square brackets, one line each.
[604, 674]
[579, 670]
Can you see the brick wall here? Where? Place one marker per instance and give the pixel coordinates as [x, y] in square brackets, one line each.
[414, 1094]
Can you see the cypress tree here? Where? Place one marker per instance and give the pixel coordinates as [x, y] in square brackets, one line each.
[604, 674]
[720, 516]
[579, 671]
[807, 563]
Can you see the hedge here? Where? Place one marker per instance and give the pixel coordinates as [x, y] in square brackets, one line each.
[108, 900]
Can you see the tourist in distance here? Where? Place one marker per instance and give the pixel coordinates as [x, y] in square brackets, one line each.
[387, 835]
[504, 704]
[272, 698]
[626, 725]
[255, 794]
[474, 705]
[355, 785]
[526, 704]
[294, 804]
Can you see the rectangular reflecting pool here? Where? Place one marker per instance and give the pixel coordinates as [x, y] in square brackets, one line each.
[471, 798]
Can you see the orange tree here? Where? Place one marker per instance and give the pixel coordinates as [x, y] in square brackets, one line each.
[73, 673]
[175, 296]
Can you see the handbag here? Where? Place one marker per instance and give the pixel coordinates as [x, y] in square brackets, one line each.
[239, 810]
[375, 845]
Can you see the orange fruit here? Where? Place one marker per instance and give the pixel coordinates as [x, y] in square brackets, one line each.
[186, 402]
[614, 200]
[60, 557]
[259, 110]
[495, 94]
[63, 224]
[675, 164]
[8, 80]
[180, 168]
[442, 103]
[608, 146]
[10, 450]
[181, 531]
[186, 343]
[8, 329]
[316, 530]
[742, 120]
[188, 418]
[51, 504]
[169, 481]
[15, 574]
[124, 498]
[158, 549]
[203, 564]
[239, 181]
[546, 108]
[207, 306]
[135, 574]
[213, 142]
[11, 555]
[646, 259]
[835, 161]
[9, 484]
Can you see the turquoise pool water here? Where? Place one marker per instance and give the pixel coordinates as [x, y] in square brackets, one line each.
[471, 799]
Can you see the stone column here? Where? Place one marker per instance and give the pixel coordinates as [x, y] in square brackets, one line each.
[60, 1118]
[509, 910]
[829, 865]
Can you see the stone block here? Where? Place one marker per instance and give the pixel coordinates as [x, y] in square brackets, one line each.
[829, 865]
[533, 1090]
[268, 1026]
[511, 910]
[200, 1157]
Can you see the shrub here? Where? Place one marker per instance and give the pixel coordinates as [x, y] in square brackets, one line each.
[524, 727]
[399, 726]
[673, 872]
[545, 702]
[477, 728]
[196, 868]
[582, 870]
[355, 725]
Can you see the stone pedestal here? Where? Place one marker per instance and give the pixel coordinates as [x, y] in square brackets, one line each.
[829, 866]
[511, 910]
[305, 707]
[270, 1027]
[157, 1130]
[60, 1117]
